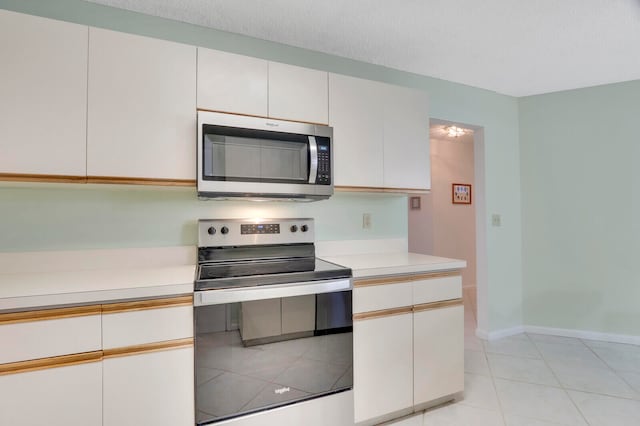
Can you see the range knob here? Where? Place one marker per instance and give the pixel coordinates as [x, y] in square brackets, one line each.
[211, 230]
[224, 230]
[304, 228]
[294, 228]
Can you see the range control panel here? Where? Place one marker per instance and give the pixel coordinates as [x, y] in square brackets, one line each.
[259, 228]
[239, 232]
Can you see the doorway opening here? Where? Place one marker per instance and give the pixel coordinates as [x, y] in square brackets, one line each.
[450, 219]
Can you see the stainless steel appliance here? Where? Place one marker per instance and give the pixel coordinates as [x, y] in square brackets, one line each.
[252, 157]
[273, 323]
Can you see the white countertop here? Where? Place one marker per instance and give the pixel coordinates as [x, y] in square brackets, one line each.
[369, 265]
[19, 291]
[38, 279]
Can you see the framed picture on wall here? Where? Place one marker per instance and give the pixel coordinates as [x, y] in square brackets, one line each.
[461, 193]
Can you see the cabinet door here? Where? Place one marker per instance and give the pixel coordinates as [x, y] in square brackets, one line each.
[154, 388]
[142, 107]
[61, 396]
[406, 138]
[299, 94]
[43, 95]
[439, 353]
[356, 113]
[382, 366]
[232, 83]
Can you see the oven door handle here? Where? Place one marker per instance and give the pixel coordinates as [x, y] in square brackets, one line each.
[245, 294]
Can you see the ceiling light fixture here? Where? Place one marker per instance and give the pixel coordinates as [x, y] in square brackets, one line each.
[454, 131]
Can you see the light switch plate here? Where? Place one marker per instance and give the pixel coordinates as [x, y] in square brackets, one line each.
[496, 220]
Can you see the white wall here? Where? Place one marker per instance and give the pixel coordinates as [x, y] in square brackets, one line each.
[440, 227]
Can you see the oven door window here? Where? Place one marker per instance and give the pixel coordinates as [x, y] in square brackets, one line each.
[244, 155]
[261, 354]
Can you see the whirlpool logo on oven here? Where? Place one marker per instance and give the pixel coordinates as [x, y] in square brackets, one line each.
[280, 391]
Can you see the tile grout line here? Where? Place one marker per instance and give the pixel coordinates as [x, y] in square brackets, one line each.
[544, 359]
[493, 382]
[633, 389]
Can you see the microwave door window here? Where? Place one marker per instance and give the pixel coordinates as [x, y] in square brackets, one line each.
[229, 157]
[284, 161]
[254, 160]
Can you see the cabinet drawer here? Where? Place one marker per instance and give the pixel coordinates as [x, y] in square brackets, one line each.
[378, 297]
[137, 323]
[48, 333]
[440, 287]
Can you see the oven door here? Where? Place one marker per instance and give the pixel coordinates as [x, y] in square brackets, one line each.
[251, 156]
[262, 347]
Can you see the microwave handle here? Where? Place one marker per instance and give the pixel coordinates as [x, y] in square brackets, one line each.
[313, 155]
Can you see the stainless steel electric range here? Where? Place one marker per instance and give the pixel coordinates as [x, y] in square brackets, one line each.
[273, 323]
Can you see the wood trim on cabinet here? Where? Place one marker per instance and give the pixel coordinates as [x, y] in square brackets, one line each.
[437, 305]
[119, 180]
[341, 188]
[49, 314]
[51, 362]
[262, 116]
[382, 313]
[397, 279]
[148, 347]
[141, 305]
[28, 177]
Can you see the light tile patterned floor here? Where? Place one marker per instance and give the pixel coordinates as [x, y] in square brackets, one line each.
[538, 380]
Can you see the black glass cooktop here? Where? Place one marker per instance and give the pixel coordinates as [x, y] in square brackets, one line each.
[249, 273]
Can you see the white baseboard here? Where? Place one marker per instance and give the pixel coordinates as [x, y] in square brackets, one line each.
[499, 334]
[563, 332]
[584, 334]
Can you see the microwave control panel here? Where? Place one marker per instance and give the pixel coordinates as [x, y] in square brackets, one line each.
[324, 162]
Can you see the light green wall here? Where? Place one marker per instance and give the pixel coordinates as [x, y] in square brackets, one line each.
[580, 161]
[94, 216]
[498, 115]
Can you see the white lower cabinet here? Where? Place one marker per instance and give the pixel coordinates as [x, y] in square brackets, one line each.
[438, 347]
[153, 388]
[382, 367]
[61, 396]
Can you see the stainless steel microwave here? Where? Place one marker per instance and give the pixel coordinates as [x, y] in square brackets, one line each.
[261, 158]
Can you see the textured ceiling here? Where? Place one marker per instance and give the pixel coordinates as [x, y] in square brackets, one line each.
[515, 47]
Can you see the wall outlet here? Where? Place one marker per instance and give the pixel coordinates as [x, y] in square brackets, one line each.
[496, 220]
[366, 220]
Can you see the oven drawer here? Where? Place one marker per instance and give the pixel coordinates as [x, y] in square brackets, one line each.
[137, 323]
[49, 332]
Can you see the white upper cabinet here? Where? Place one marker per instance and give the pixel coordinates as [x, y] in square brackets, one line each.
[299, 94]
[142, 107]
[406, 139]
[381, 134]
[232, 83]
[356, 115]
[43, 95]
